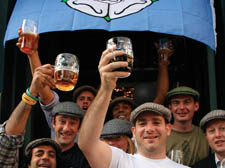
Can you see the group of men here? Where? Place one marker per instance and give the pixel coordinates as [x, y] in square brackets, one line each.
[81, 138]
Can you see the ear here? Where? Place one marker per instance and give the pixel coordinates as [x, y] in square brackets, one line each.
[53, 122]
[169, 106]
[168, 128]
[196, 106]
[133, 131]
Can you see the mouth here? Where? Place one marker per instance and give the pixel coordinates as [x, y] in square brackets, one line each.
[182, 113]
[65, 135]
[40, 166]
[219, 142]
[151, 138]
[122, 117]
[84, 108]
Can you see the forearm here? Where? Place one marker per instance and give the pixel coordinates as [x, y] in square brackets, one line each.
[18, 119]
[94, 119]
[34, 61]
[46, 95]
[162, 84]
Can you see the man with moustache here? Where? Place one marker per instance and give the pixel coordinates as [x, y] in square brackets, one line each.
[150, 126]
[184, 103]
[213, 125]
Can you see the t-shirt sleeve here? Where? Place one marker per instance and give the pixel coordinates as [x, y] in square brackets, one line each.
[120, 159]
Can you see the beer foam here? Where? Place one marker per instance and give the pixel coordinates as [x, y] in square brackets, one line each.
[28, 32]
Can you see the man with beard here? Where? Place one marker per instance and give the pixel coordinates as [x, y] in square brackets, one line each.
[184, 103]
[213, 124]
[150, 126]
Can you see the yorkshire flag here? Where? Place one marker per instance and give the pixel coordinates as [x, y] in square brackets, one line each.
[190, 18]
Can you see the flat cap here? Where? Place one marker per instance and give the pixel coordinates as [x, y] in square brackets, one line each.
[151, 107]
[81, 89]
[215, 114]
[68, 108]
[183, 90]
[116, 127]
[119, 100]
[39, 142]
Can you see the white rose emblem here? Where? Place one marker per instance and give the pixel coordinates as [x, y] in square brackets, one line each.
[109, 9]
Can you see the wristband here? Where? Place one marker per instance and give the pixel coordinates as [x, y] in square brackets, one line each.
[34, 98]
[26, 99]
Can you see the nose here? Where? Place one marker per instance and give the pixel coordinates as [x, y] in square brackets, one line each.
[181, 105]
[149, 127]
[66, 126]
[218, 133]
[45, 157]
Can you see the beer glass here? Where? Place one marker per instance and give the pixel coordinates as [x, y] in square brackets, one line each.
[164, 48]
[122, 43]
[176, 156]
[29, 31]
[66, 71]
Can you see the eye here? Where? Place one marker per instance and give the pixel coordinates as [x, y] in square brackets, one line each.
[90, 99]
[211, 131]
[156, 122]
[222, 129]
[187, 101]
[52, 154]
[141, 122]
[175, 102]
[39, 153]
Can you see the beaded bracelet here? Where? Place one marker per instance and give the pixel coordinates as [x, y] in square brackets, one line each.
[28, 100]
[34, 98]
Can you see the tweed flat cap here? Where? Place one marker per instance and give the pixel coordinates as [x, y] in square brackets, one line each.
[116, 127]
[215, 114]
[68, 108]
[183, 90]
[121, 99]
[39, 142]
[150, 107]
[81, 89]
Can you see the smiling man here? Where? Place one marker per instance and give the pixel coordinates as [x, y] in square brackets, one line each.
[184, 103]
[213, 124]
[43, 152]
[150, 126]
[66, 121]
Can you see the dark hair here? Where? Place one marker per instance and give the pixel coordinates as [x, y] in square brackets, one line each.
[28, 157]
[81, 89]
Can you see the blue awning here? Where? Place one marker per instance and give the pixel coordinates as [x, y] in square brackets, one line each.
[190, 18]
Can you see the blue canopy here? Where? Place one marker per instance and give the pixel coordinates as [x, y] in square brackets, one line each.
[190, 18]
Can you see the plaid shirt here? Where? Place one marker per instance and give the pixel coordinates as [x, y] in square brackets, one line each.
[9, 148]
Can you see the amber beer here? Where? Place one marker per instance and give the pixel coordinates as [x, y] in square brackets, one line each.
[65, 80]
[28, 39]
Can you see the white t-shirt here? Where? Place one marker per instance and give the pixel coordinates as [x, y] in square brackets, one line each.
[121, 159]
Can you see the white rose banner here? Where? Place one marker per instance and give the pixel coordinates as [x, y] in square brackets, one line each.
[190, 18]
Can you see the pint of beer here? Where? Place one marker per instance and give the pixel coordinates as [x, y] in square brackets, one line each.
[66, 71]
[29, 31]
[122, 43]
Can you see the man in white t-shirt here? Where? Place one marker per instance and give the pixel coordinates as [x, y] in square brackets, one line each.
[151, 126]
